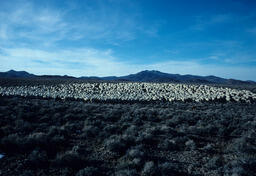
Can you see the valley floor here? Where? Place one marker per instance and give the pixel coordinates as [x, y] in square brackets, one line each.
[64, 137]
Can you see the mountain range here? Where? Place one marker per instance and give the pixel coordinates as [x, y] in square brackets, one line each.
[143, 76]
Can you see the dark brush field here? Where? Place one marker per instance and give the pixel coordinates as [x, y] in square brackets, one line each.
[47, 137]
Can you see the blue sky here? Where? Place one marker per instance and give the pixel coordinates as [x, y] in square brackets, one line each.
[120, 37]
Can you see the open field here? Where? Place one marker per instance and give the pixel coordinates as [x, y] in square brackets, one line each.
[47, 136]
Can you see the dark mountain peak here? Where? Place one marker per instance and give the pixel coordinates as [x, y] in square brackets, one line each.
[11, 71]
[150, 76]
[211, 76]
[150, 71]
[16, 74]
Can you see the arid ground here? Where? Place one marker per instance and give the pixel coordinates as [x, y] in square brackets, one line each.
[44, 136]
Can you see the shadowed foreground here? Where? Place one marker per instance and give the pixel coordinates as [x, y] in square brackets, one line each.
[50, 137]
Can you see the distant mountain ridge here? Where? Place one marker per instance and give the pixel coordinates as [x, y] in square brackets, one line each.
[157, 76]
[16, 74]
[143, 76]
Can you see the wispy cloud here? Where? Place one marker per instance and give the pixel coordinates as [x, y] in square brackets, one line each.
[172, 51]
[214, 51]
[83, 61]
[252, 30]
[92, 62]
[3, 32]
[24, 23]
[203, 22]
[102, 20]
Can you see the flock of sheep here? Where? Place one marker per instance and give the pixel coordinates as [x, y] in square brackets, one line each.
[132, 92]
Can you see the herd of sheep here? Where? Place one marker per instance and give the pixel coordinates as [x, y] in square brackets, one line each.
[132, 92]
